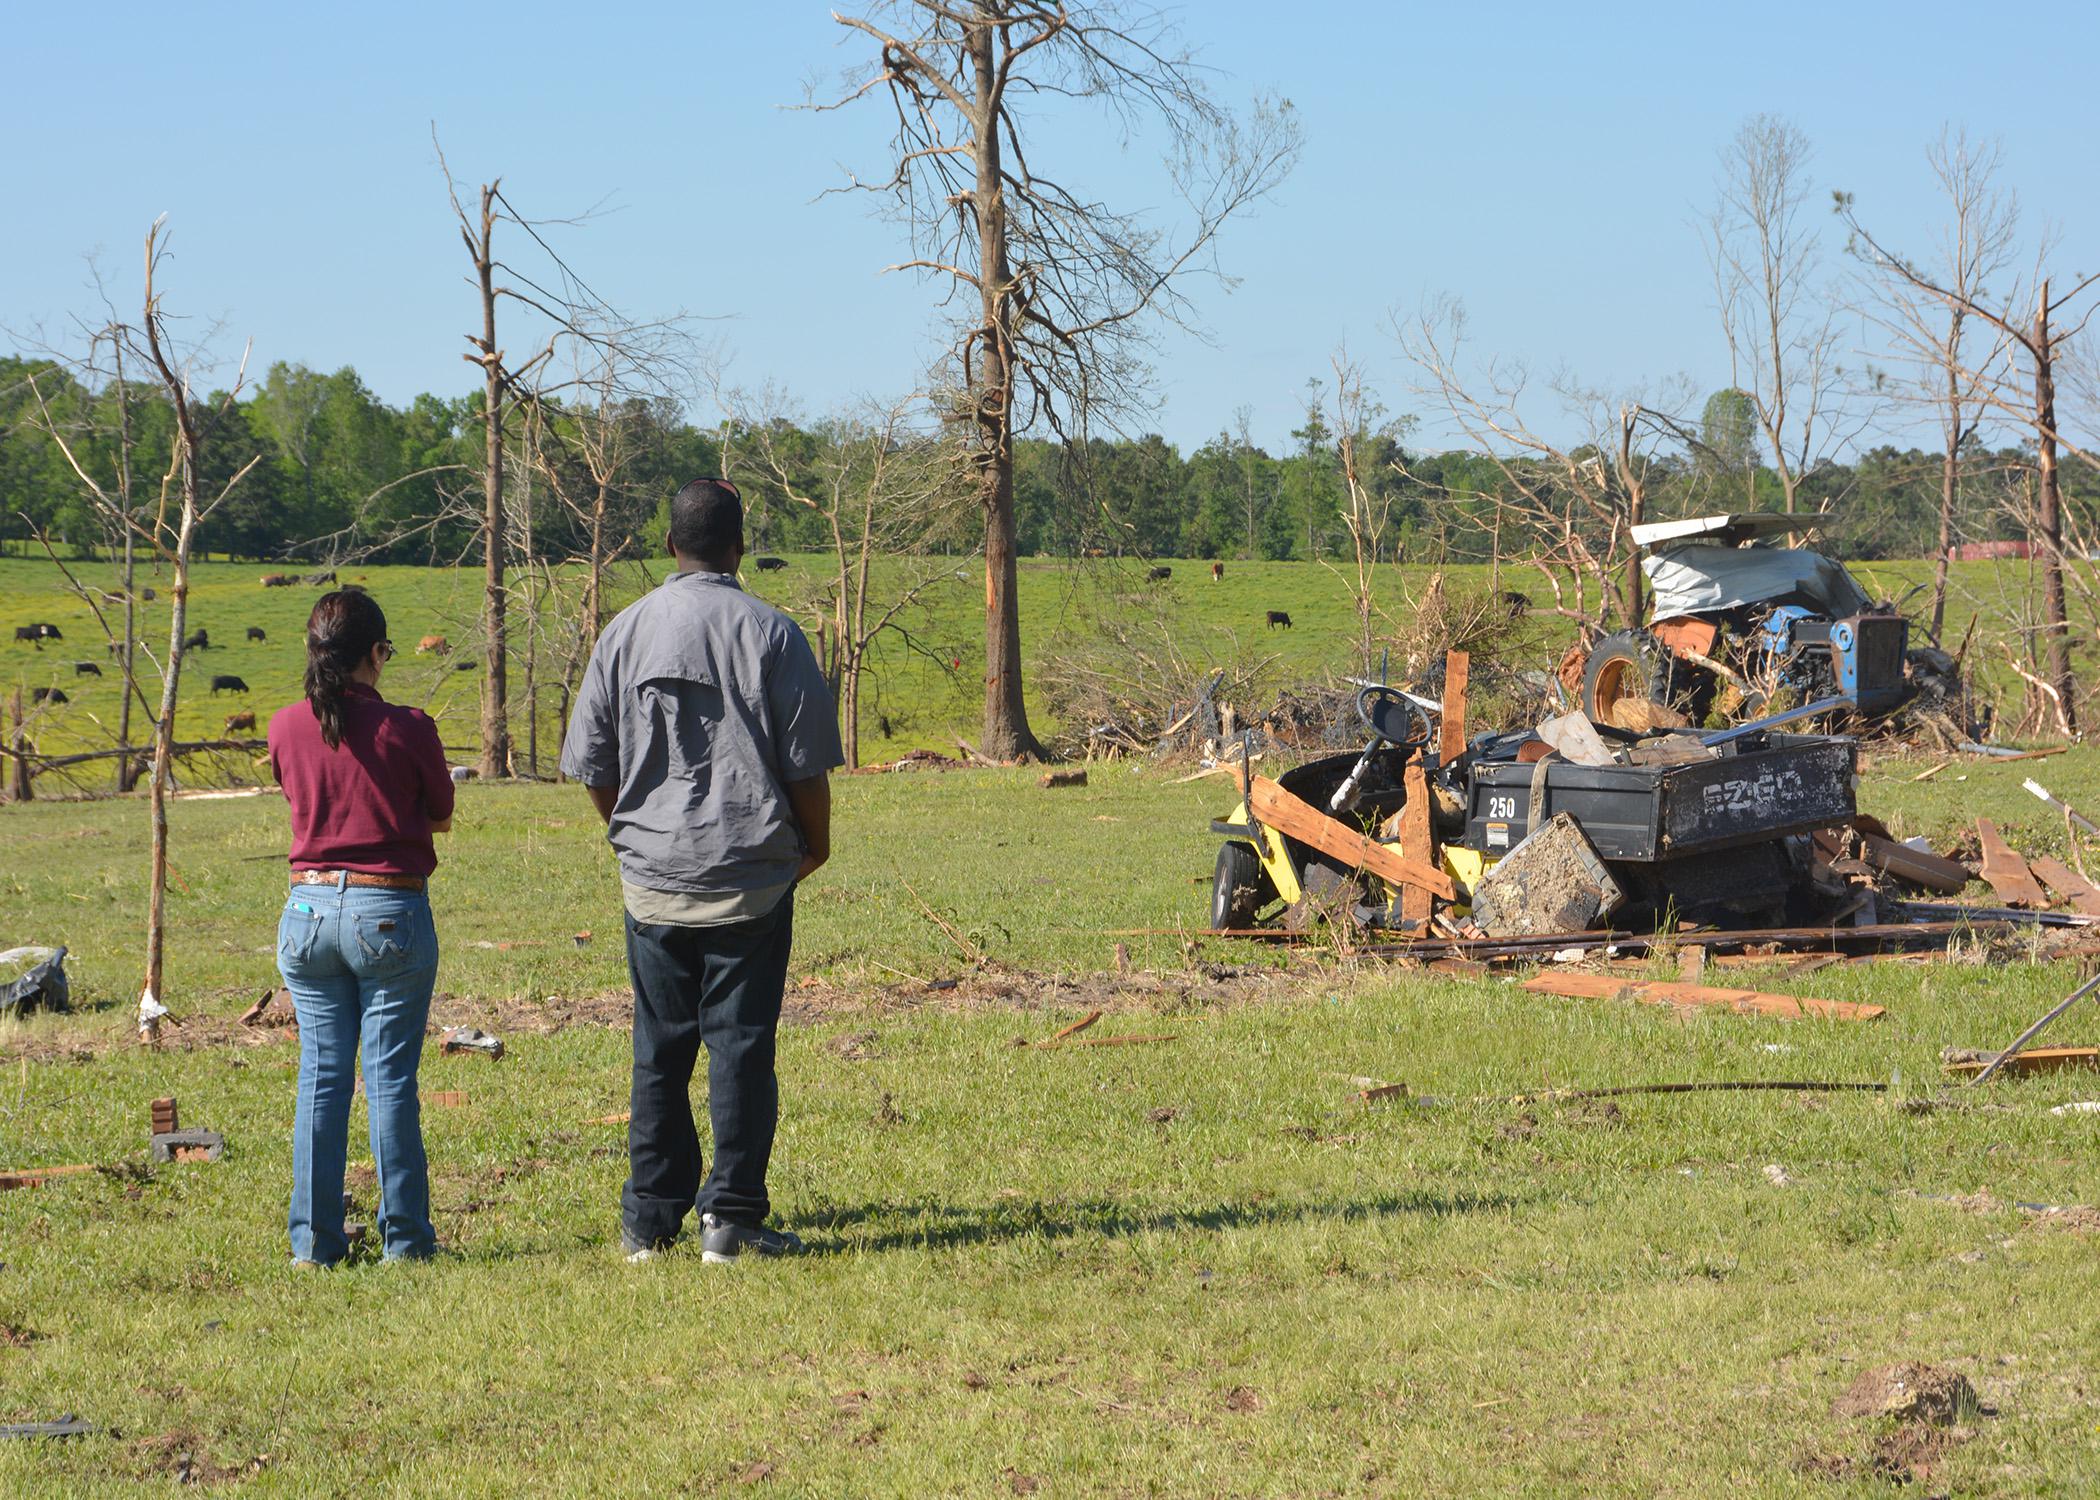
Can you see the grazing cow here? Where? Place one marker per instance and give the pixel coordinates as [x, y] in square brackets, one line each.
[465, 666]
[48, 695]
[1279, 617]
[86, 669]
[199, 640]
[771, 564]
[115, 648]
[432, 643]
[226, 682]
[37, 634]
[1518, 603]
[245, 719]
[255, 633]
[277, 580]
[1159, 575]
[1217, 572]
[317, 579]
[148, 595]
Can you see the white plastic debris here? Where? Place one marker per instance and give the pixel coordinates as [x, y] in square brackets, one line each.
[1777, 1175]
[2078, 1107]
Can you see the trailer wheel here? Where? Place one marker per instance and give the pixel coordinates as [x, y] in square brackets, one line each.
[1631, 665]
[1239, 889]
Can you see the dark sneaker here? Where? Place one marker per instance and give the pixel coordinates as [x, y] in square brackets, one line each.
[722, 1241]
[638, 1253]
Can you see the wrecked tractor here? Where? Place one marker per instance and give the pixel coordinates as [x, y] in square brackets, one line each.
[1737, 625]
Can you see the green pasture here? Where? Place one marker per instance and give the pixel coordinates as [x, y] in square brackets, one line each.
[925, 685]
[1194, 1266]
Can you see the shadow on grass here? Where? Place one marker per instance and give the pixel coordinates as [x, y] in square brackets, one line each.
[933, 1226]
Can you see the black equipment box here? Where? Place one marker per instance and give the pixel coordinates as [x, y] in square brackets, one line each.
[1754, 790]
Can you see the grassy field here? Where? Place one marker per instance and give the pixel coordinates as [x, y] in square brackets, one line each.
[1198, 1266]
[926, 689]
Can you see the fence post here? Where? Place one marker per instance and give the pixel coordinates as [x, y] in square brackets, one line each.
[18, 787]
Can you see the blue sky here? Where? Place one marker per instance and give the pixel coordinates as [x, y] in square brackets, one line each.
[1546, 163]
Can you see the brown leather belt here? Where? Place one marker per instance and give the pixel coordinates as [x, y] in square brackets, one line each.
[358, 877]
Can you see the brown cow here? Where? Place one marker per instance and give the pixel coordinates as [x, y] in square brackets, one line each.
[277, 580]
[1217, 571]
[243, 720]
[432, 643]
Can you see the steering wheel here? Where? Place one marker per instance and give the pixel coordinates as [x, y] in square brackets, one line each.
[1386, 711]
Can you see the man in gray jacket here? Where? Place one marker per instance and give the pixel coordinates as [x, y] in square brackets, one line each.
[705, 734]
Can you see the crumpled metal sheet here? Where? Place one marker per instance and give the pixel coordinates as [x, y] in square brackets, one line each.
[42, 986]
[1696, 580]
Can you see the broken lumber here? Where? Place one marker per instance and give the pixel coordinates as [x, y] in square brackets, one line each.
[2005, 871]
[2068, 884]
[30, 1177]
[1293, 815]
[1667, 992]
[1915, 866]
[2020, 1042]
[2034, 1060]
[1451, 723]
[1077, 1026]
[1418, 839]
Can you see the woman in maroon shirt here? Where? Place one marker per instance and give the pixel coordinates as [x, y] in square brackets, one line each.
[368, 785]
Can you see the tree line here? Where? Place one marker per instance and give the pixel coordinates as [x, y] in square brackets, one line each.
[344, 474]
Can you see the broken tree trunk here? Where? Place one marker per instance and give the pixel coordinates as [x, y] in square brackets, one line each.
[1418, 839]
[1451, 725]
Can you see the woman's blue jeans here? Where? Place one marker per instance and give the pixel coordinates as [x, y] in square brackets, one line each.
[360, 962]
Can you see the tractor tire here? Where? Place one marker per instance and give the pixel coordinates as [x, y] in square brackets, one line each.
[1239, 889]
[1625, 664]
[1634, 664]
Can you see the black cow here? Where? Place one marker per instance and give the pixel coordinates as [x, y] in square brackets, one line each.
[255, 633]
[465, 666]
[148, 595]
[48, 695]
[771, 564]
[1517, 604]
[86, 669]
[199, 640]
[226, 682]
[37, 634]
[1279, 617]
[1159, 575]
[317, 579]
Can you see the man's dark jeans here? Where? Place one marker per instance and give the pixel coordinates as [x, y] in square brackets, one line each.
[718, 986]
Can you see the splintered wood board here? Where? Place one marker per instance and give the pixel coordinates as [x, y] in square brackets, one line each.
[1293, 815]
[2067, 883]
[2033, 1060]
[1666, 992]
[2006, 871]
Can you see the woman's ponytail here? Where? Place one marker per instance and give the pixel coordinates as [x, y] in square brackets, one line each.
[340, 634]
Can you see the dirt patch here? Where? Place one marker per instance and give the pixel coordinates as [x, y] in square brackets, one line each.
[1910, 1391]
[13, 1336]
[854, 1046]
[812, 1001]
[182, 1456]
[2075, 1218]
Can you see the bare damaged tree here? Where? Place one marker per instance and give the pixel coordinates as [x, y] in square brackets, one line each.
[883, 491]
[1931, 334]
[1056, 284]
[1358, 418]
[1782, 331]
[2038, 330]
[1575, 505]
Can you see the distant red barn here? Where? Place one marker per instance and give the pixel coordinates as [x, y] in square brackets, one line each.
[1990, 551]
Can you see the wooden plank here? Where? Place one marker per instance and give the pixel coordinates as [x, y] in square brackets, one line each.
[1691, 963]
[1419, 841]
[1451, 729]
[1293, 815]
[30, 1177]
[1665, 992]
[2068, 884]
[2033, 1060]
[2006, 871]
[1914, 865]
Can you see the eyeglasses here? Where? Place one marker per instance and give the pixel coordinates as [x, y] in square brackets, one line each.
[387, 650]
